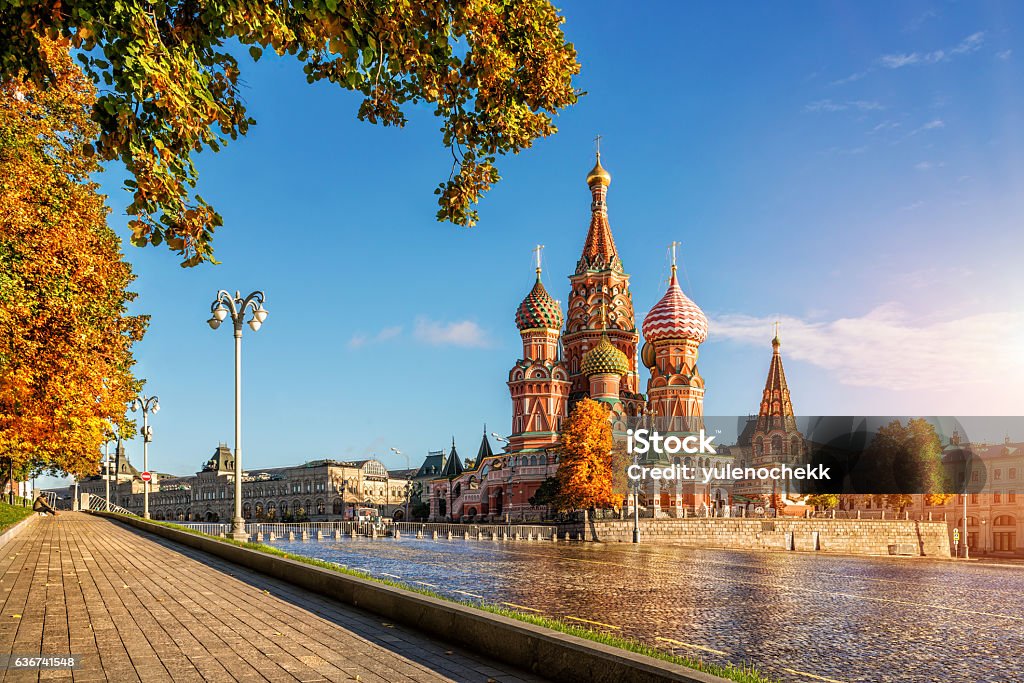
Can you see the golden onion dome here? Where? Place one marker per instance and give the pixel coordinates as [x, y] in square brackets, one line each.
[598, 174]
[604, 359]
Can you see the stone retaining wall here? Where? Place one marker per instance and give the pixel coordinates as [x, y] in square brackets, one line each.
[845, 536]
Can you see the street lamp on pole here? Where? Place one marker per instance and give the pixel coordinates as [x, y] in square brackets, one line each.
[223, 306]
[508, 479]
[408, 480]
[147, 405]
[115, 435]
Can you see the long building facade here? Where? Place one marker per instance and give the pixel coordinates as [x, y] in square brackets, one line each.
[320, 490]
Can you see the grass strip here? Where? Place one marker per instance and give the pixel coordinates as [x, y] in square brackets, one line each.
[11, 515]
[742, 673]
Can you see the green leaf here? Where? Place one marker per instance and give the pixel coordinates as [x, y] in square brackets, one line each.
[256, 53]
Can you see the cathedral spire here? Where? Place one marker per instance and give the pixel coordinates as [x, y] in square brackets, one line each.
[599, 252]
[775, 401]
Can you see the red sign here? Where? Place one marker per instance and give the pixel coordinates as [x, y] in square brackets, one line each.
[146, 476]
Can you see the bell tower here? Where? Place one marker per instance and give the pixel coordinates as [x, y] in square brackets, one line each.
[600, 282]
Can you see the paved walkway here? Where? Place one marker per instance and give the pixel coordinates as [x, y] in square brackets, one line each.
[139, 608]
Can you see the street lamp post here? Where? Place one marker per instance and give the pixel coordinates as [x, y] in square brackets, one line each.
[223, 306]
[147, 405]
[408, 480]
[115, 433]
[508, 480]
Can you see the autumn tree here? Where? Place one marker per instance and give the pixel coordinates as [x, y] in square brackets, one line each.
[825, 501]
[495, 72]
[585, 471]
[65, 336]
[907, 459]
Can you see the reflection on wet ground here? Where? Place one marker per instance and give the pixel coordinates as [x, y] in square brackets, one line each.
[801, 617]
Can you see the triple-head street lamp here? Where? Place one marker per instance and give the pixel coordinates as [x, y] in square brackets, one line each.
[147, 405]
[235, 306]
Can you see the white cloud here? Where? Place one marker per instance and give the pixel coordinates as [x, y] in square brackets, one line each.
[460, 333]
[889, 349]
[830, 105]
[361, 339]
[856, 76]
[971, 43]
[1004, 54]
[929, 165]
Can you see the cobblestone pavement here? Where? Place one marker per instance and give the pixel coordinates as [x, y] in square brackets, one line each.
[800, 616]
[138, 608]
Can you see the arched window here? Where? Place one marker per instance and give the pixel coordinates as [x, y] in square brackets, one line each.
[271, 510]
[336, 506]
[259, 510]
[321, 508]
[776, 444]
[1004, 520]
[246, 510]
[759, 446]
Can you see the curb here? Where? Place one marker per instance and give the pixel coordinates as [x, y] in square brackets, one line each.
[18, 528]
[554, 655]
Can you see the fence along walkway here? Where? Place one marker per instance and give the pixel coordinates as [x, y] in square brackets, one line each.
[139, 609]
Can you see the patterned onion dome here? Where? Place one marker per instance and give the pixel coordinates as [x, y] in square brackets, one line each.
[675, 317]
[604, 358]
[539, 310]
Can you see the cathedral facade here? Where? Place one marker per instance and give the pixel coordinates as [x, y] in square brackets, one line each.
[589, 351]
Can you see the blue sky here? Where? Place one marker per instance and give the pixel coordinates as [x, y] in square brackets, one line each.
[853, 169]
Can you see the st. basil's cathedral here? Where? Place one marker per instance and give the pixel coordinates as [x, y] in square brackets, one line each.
[592, 352]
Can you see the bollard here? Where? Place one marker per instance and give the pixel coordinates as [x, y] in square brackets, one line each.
[398, 534]
[529, 536]
[319, 535]
[515, 536]
[465, 536]
[373, 532]
[479, 535]
[419, 534]
[305, 535]
[272, 536]
[291, 535]
[566, 535]
[435, 534]
[450, 535]
[337, 534]
[257, 537]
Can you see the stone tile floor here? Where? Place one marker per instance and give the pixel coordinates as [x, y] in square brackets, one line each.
[138, 608]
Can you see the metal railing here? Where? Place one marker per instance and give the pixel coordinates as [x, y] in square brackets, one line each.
[97, 504]
[542, 532]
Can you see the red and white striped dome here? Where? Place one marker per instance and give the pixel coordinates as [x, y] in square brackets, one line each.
[675, 317]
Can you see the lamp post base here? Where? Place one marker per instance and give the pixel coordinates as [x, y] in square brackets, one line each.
[238, 532]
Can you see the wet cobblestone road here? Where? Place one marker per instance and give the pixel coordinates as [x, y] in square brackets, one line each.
[800, 617]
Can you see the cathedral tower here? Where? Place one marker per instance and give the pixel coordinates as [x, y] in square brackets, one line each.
[538, 382]
[673, 330]
[600, 282]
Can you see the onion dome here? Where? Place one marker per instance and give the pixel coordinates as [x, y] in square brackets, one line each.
[675, 317]
[539, 310]
[598, 174]
[604, 358]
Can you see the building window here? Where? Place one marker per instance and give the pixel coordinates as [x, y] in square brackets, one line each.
[1013, 473]
[1011, 496]
[974, 499]
[997, 497]
[998, 475]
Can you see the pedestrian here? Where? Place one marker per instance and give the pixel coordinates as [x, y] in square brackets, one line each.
[42, 507]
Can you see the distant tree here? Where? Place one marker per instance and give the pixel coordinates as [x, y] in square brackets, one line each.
[546, 494]
[65, 335]
[420, 511]
[907, 459]
[585, 469]
[495, 73]
[825, 501]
